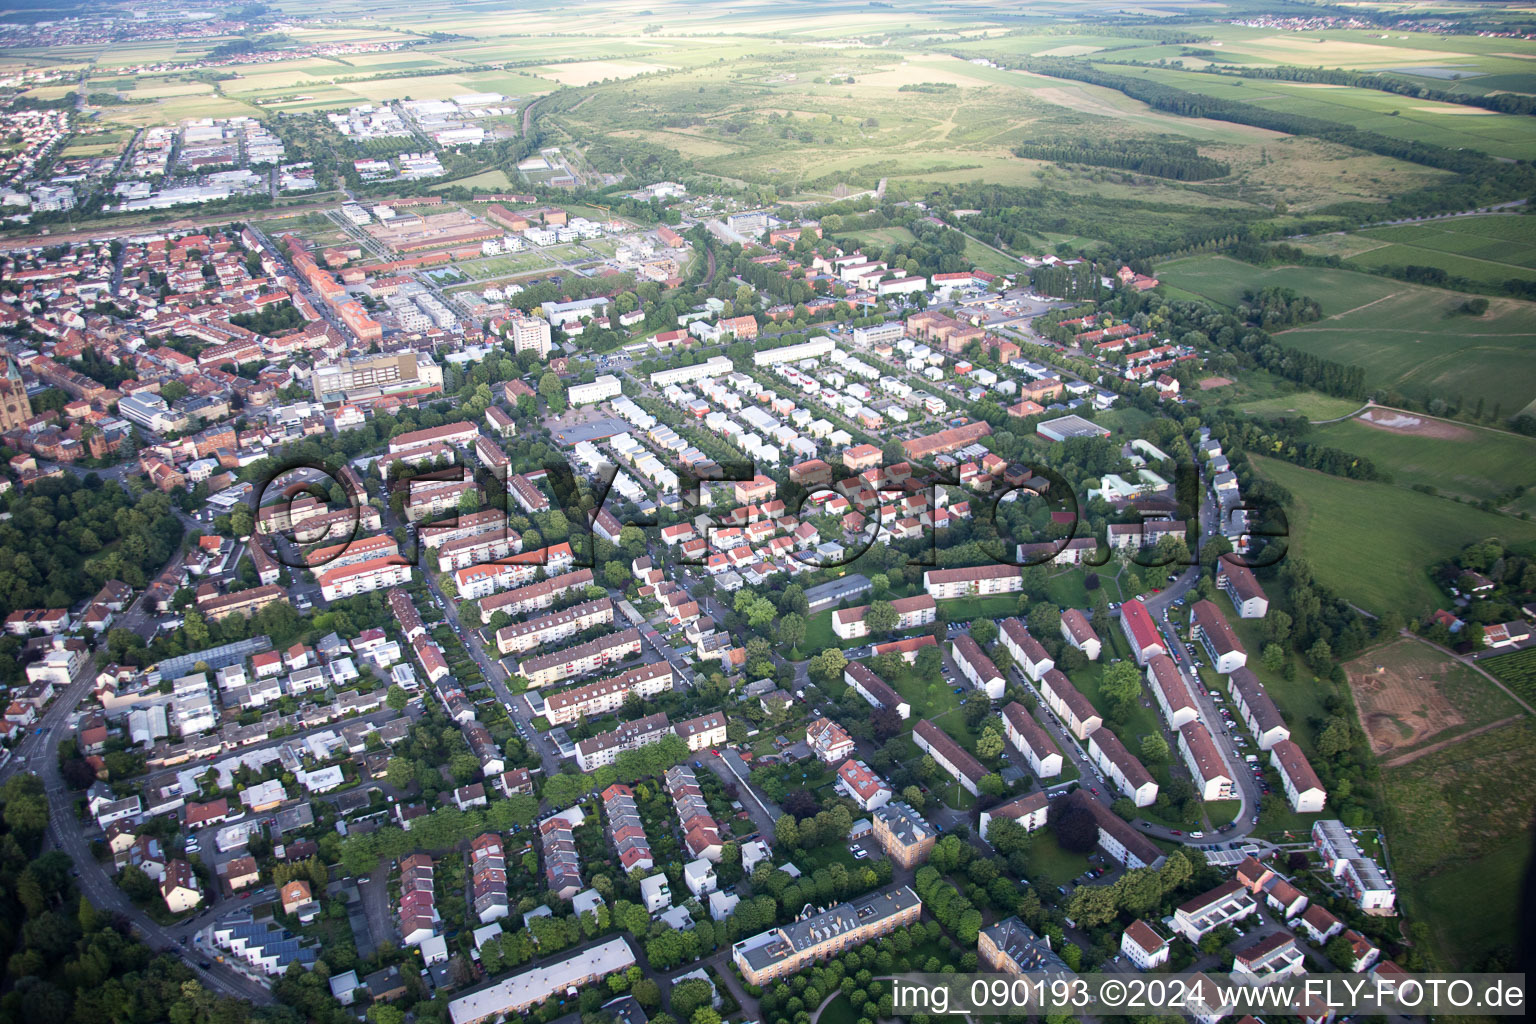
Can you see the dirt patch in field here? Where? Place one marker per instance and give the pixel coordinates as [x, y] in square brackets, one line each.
[1214, 382]
[1453, 110]
[1399, 695]
[1418, 426]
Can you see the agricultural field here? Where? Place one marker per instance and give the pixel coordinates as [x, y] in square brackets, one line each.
[1409, 695]
[1408, 338]
[1399, 117]
[1517, 671]
[1372, 542]
[1460, 840]
[1491, 249]
[1454, 458]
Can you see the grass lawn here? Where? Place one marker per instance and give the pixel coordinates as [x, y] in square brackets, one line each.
[1049, 864]
[839, 1011]
[929, 698]
[1475, 463]
[1459, 840]
[1373, 543]
[964, 609]
[818, 633]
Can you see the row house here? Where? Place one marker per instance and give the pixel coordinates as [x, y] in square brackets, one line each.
[607, 695]
[604, 749]
[950, 756]
[1206, 766]
[1069, 705]
[875, 690]
[1303, 790]
[1256, 709]
[1031, 740]
[975, 666]
[1215, 634]
[1170, 691]
[364, 577]
[1078, 631]
[1140, 632]
[1029, 812]
[546, 669]
[536, 595]
[626, 831]
[1122, 767]
[979, 581]
[911, 613]
[1028, 653]
[554, 627]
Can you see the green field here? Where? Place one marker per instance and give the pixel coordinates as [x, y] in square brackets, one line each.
[1395, 116]
[1475, 463]
[1490, 249]
[1373, 543]
[1408, 338]
[1310, 404]
[1459, 839]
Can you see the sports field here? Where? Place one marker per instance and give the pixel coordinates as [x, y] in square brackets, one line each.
[1455, 459]
[1408, 338]
[1372, 542]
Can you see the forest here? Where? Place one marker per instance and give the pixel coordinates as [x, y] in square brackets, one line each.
[66, 537]
[1180, 161]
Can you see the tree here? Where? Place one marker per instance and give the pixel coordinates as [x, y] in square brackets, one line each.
[1334, 739]
[399, 772]
[1273, 657]
[881, 617]
[689, 997]
[1154, 749]
[1076, 830]
[975, 707]
[1319, 655]
[913, 796]
[397, 698]
[990, 743]
[552, 391]
[1092, 906]
[1121, 684]
[791, 630]
[786, 832]
[1340, 952]
[828, 666]
[984, 632]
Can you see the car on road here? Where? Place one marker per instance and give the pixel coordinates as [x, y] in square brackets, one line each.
[205, 964]
[1176, 832]
[1197, 835]
[1253, 820]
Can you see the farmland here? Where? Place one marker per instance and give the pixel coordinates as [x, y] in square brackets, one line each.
[1517, 671]
[1490, 249]
[1409, 694]
[1371, 542]
[1460, 840]
[1408, 338]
